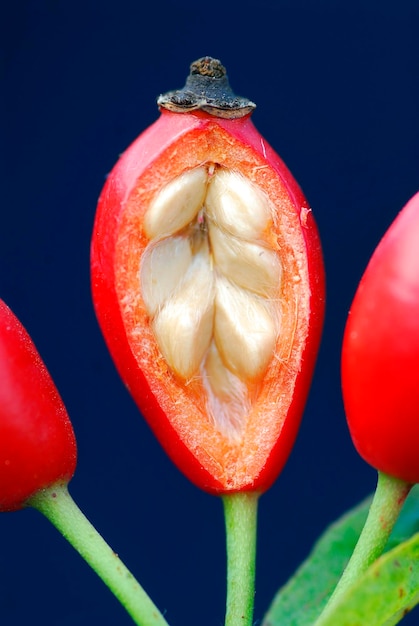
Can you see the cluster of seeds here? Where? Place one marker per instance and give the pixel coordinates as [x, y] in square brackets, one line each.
[210, 283]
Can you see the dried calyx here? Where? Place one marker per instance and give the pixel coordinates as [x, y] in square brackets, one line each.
[211, 283]
[207, 89]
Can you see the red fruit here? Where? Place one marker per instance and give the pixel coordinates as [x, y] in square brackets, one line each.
[207, 281]
[37, 444]
[380, 355]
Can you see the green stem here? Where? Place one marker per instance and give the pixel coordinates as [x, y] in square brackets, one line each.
[386, 505]
[240, 511]
[60, 509]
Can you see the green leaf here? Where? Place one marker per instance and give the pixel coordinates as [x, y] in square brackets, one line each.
[300, 601]
[304, 596]
[385, 592]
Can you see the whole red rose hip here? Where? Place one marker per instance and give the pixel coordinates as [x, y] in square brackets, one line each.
[37, 443]
[380, 355]
[207, 280]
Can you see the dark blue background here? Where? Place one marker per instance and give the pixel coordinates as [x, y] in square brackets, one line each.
[337, 88]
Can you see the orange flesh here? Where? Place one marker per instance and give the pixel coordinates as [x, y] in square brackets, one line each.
[231, 461]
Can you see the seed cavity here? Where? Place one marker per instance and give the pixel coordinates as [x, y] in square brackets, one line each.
[210, 283]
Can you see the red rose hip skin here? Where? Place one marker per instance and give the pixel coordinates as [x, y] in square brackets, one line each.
[37, 443]
[380, 354]
[207, 280]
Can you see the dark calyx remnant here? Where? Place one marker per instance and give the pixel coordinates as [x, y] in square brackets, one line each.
[207, 89]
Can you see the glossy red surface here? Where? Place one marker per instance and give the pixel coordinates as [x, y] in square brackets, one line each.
[37, 443]
[380, 355]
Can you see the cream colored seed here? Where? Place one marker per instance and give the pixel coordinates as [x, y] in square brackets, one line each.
[219, 377]
[163, 268]
[237, 206]
[177, 204]
[249, 265]
[244, 330]
[228, 398]
[184, 326]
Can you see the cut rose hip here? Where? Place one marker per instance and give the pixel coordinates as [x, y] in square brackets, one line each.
[208, 284]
